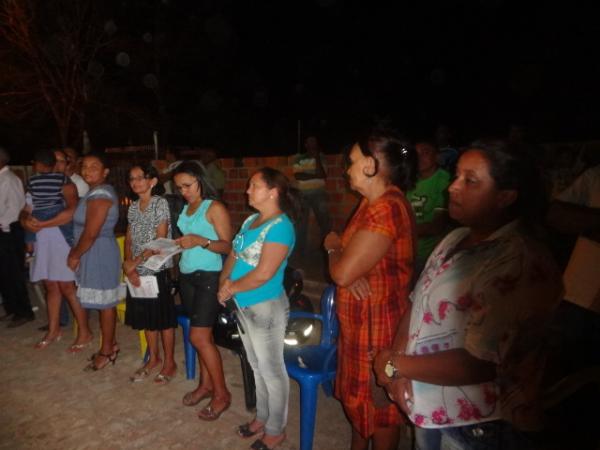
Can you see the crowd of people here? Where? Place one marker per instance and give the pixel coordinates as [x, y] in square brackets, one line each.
[446, 289]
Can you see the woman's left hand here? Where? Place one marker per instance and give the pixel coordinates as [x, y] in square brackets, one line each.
[73, 262]
[360, 289]
[32, 224]
[187, 241]
[129, 266]
[225, 291]
[400, 392]
[379, 364]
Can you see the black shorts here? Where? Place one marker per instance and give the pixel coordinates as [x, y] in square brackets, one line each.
[198, 291]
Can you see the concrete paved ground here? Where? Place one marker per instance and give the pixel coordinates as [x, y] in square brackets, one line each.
[48, 402]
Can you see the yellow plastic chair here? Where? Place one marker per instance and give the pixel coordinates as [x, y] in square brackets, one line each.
[122, 306]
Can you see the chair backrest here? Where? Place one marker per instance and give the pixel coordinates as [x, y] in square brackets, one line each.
[330, 329]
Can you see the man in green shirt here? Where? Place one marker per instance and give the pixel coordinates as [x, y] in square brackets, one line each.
[429, 200]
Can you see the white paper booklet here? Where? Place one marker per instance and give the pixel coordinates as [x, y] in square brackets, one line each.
[148, 287]
[166, 247]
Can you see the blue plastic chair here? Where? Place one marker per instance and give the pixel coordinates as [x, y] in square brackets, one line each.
[314, 365]
[189, 350]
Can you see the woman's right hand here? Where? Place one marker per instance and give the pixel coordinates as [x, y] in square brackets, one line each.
[134, 278]
[225, 292]
[332, 241]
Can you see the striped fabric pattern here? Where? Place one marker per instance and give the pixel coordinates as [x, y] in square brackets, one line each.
[46, 189]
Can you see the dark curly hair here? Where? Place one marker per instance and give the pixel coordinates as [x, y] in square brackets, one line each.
[397, 153]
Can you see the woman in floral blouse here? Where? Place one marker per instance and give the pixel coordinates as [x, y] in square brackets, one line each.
[466, 366]
[148, 219]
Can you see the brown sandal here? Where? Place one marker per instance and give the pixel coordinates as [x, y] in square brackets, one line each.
[210, 414]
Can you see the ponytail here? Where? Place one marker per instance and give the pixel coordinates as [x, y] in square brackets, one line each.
[289, 197]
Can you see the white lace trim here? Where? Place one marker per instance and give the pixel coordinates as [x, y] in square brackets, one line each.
[100, 297]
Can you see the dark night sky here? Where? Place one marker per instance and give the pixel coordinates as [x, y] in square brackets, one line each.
[238, 75]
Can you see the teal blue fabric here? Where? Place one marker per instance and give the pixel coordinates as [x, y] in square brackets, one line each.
[198, 258]
[281, 231]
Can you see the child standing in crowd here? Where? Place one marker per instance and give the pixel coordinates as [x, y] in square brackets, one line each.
[45, 191]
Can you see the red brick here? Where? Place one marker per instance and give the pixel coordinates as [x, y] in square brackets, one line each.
[226, 163]
[330, 185]
[250, 162]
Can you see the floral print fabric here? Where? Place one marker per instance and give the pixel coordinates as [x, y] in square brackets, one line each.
[493, 300]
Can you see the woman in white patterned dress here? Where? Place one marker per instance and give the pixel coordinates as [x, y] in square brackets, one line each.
[148, 219]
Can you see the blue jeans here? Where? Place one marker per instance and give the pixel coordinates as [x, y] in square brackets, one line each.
[315, 200]
[494, 435]
[262, 330]
[47, 214]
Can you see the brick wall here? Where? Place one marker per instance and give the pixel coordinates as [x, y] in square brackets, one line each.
[238, 170]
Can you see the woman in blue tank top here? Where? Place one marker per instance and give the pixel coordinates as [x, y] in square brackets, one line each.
[206, 229]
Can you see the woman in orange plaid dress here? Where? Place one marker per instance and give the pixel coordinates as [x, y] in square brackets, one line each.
[372, 265]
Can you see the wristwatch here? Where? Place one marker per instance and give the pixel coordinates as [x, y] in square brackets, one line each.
[208, 242]
[390, 369]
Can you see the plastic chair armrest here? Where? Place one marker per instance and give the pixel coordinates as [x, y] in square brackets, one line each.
[305, 315]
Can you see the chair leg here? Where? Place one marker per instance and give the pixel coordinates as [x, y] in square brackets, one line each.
[143, 345]
[189, 350]
[308, 413]
[249, 383]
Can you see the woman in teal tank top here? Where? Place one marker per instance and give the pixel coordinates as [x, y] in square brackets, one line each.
[206, 229]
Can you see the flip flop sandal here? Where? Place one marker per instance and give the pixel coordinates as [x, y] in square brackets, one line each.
[245, 432]
[76, 348]
[139, 375]
[46, 342]
[188, 398]
[161, 379]
[210, 415]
